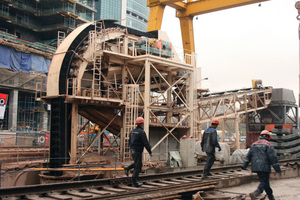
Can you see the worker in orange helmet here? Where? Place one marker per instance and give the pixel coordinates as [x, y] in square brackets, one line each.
[137, 142]
[208, 144]
[262, 155]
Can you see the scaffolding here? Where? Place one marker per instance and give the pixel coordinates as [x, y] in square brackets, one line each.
[30, 113]
[116, 76]
[55, 15]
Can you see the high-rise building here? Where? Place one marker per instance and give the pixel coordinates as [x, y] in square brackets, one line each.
[133, 13]
[40, 20]
[26, 27]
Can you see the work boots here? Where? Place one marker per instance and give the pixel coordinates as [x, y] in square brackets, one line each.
[135, 183]
[126, 171]
[206, 173]
[209, 174]
[254, 194]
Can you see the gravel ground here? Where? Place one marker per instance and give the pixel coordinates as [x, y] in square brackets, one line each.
[283, 189]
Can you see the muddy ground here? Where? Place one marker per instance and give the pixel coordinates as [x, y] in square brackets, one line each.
[283, 189]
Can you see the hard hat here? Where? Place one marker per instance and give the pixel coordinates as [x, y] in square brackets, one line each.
[266, 133]
[215, 121]
[184, 137]
[139, 120]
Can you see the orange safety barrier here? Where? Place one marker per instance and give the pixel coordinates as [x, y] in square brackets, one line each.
[269, 127]
[287, 126]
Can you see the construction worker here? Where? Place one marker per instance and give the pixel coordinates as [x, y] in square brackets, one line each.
[208, 144]
[137, 142]
[262, 155]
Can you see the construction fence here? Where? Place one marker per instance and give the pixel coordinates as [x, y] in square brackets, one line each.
[24, 139]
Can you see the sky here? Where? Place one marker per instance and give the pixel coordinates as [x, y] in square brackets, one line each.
[237, 45]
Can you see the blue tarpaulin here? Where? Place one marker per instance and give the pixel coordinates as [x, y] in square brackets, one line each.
[16, 60]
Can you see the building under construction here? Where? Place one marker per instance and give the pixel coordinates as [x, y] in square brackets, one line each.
[30, 33]
[41, 21]
[104, 75]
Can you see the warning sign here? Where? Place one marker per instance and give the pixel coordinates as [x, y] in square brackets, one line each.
[3, 102]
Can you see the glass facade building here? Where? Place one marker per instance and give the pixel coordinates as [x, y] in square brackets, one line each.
[135, 12]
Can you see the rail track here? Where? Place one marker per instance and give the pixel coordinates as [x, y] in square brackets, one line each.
[174, 185]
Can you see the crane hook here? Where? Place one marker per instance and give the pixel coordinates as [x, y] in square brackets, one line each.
[298, 17]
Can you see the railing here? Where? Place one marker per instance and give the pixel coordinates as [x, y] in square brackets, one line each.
[54, 10]
[85, 16]
[4, 13]
[24, 6]
[106, 91]
[161, 48]
[21, 79]
[36, 45]
[85, 2]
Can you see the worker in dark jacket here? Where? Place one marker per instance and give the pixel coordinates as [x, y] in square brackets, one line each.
[208, 144]
[137, 142]
[262, 155]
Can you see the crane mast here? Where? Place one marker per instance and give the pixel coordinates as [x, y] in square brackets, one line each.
[185, 11]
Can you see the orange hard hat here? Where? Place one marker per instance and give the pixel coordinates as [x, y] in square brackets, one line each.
[266, 133]
[215, 121]
[139, 120]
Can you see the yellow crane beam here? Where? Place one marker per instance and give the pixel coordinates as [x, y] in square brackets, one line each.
[185, 11]
[157, 8]
[187, 34]
[156, 16]
[206, 6]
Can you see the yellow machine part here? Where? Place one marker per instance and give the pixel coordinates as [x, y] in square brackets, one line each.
[185, 11]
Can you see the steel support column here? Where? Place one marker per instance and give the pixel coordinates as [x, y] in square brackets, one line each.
[187, 34]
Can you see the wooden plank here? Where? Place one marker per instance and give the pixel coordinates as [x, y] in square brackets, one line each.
[126, 187]
[100, 192]
[58, 196]
[148, 186]
[32, 197]
[79, 194]
[169, 182]
[113, 189]
[156, 184]
[179, 180]
[191, 179]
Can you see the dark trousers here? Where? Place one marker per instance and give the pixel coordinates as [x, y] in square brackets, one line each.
[137, 165]
[264, 182]
[210, 159]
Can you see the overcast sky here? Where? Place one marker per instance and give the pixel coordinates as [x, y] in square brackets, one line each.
[237, 45]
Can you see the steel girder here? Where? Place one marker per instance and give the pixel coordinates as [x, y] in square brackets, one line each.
[232, 104]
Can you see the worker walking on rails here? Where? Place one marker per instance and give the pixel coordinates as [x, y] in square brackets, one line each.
[262, 155]
[137, 142]
[208, 144]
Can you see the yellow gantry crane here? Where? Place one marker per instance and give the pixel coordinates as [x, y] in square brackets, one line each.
[185, 11]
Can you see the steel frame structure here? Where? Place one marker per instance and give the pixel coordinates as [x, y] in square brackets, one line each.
[230, 105]
[110, 81]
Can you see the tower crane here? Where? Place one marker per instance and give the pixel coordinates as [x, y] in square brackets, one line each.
[185, 11]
